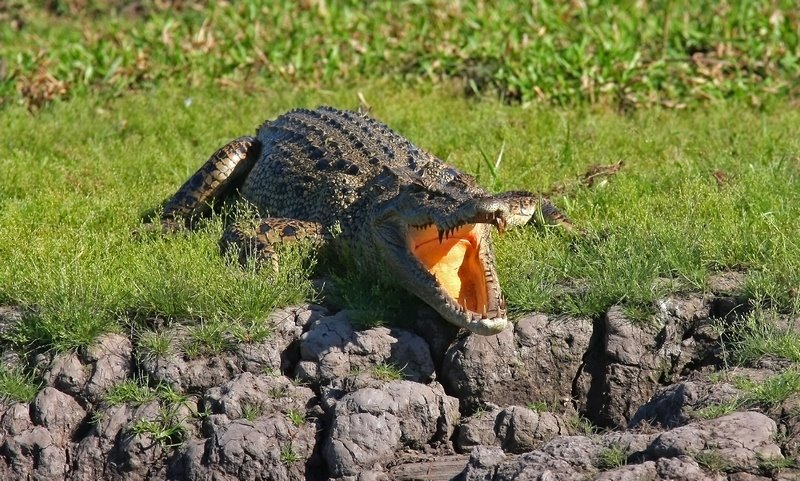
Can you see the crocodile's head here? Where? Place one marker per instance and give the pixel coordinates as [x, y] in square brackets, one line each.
[441, 250]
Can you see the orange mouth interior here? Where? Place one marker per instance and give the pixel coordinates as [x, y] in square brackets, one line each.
[454, 262]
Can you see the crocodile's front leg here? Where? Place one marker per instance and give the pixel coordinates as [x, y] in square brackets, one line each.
[258, 243]
[527, 207]
[221, 173]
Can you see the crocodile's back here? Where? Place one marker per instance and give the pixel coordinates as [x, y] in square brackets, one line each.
[316, 164]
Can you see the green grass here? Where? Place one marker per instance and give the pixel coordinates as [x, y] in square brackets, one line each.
[759, 335]
[166, 430]
[713, 461]
[289, 455]
[251, 411]
[65, 324]
[250, 332]
[664, 214]
[357, 291]
[131, 391]
[139, 391]
[296, 417]
[76, 190]
[766, 395]
[629, 53]
[775, 465]
[154, 345]
[612, 457]
[582, 426]
[278, 392]
[203, 338]
[772, 391]
[714, 411]
[107, 110]
[206, 339]
[540, 406]
[388, 372]
[17, 386]
[68, 209]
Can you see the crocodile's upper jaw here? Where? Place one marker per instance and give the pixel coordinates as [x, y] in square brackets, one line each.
[451, 270]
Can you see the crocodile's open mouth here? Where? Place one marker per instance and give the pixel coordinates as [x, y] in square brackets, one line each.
[455, 260]
[443, 254]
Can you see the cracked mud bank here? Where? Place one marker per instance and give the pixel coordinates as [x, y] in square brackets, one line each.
[554, 398]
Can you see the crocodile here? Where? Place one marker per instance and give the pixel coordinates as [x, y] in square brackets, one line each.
[327, 173]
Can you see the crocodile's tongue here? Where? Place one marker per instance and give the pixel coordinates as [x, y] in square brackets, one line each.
[455, 263]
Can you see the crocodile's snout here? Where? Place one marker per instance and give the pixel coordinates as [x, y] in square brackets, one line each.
[489, 210]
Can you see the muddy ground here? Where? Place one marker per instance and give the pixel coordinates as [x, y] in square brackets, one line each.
[554, 398]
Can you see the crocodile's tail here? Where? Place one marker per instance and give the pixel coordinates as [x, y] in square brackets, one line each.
[222, 174]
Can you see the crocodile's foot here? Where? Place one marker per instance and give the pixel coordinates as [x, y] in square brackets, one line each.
[258, 244]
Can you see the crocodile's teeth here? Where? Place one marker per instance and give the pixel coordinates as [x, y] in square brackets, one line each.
[501, 225]
[441, 235]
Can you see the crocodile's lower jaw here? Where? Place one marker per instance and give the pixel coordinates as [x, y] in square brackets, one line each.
[456, 264]
[488, 326]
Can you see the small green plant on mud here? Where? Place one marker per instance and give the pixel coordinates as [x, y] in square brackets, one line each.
[277, 392]
[167, 428]
[713, 411]
[775, 465]
[251, 332]
[759, 335]
[137, 391]
[296, 417]
[480, 411]
[288, 454]
[539, 406]
[270, 371]
[96, 418]
[207, 339]
[386, 371]
[131, 391]
[583, 426]
[167, 432]
[251, 411]
[712, 460]
[17, 386]
[639, 313]
[154, 345]
[772, 391]
[612, 457]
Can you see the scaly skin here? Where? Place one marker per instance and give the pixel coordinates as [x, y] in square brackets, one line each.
[314, 172]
